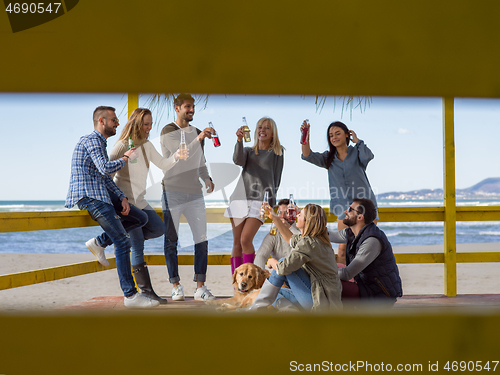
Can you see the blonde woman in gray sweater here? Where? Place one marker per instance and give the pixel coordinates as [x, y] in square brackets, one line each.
[262, 167]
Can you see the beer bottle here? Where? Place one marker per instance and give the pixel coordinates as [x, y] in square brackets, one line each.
[183, 146]
[265, 202]
[246, 129]
[131, 145]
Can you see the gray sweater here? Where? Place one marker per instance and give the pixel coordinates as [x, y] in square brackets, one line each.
[185, 175]
[274, 246]
[260, 173]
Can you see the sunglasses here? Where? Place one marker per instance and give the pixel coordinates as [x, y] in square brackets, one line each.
[353, 209]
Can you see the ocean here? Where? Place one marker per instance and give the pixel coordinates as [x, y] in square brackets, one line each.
[220, 236]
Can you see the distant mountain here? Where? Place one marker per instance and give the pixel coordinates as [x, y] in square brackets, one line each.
[489, 187]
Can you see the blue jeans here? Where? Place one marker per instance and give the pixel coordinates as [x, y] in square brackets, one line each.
[135, 219]
[153, 229]
[300, 288]
[107, 218]
[192, 206]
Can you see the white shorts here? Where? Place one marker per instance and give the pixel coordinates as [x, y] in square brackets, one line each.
[244, 209]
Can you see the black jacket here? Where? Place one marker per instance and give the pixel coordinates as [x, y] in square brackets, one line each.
[380, 279]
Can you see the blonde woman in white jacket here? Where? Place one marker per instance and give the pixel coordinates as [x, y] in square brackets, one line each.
[132, 180]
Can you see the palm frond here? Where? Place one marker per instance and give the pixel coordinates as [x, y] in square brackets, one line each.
[348, 102]
[158, 102]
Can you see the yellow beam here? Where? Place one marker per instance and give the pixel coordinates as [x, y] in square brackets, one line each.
[397, 48]
[133, 102]
[480, 257]
[52, 344]
[61, 272]
[188, 259]
[411, 214]
[18, 279]
[450, 213]
[15, 280]
[413, 258]
[489, 213]
[29, 221]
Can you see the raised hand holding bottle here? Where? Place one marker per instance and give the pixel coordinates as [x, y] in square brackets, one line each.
[246, 129]
[183, 146]
[265, 203]
[215, 137]
[305, 131]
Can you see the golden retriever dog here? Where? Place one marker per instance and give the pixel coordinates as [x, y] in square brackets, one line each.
[247, 281]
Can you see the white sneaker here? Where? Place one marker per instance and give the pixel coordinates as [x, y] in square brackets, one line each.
[203, 294]
[178, 293]
[98, 251]
[139, 301]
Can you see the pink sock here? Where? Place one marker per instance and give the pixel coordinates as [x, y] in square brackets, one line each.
[248, 258]
[235, 263]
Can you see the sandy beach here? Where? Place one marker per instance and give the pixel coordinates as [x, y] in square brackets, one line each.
[473, 278]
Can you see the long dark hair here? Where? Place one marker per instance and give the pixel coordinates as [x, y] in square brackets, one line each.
[331, 154]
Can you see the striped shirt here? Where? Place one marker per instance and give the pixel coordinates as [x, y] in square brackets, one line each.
[91, 169]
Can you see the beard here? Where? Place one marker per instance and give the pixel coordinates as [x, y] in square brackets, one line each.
[188, 118]
[349, 222]
[109, 130]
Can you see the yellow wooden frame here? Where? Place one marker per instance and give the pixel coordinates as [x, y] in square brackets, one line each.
[327, 47]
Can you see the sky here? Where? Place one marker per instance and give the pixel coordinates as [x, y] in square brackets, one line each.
[405, 134]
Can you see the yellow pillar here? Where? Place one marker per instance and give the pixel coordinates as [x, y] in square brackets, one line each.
[450, 208]
[133, 102]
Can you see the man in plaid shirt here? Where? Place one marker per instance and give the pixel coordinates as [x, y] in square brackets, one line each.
[92, 189]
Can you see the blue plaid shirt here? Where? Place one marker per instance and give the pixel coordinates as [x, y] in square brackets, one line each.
[91, 169]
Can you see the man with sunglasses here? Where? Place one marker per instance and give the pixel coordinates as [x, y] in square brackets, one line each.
[369, 257]
[274, 245]
[92, 188]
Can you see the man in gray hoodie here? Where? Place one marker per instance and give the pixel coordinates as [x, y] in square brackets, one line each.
[182, 194]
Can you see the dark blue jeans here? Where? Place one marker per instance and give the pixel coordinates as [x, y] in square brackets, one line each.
[111, 223]
[192, 206]
[153, 229]
[135, 219]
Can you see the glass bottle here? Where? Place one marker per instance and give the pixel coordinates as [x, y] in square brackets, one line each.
[183, 146]
[131, 145]
[292, 213]
[246, 129]
[215, 137]
[305, 131]
[273, 230]
[265, 202]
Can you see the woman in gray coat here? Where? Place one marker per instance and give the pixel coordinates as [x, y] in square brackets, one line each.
[310, 270]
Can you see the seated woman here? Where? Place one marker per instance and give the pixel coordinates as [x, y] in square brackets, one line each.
[310, 270]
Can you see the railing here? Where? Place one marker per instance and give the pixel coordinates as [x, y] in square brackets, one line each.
[32, 221]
